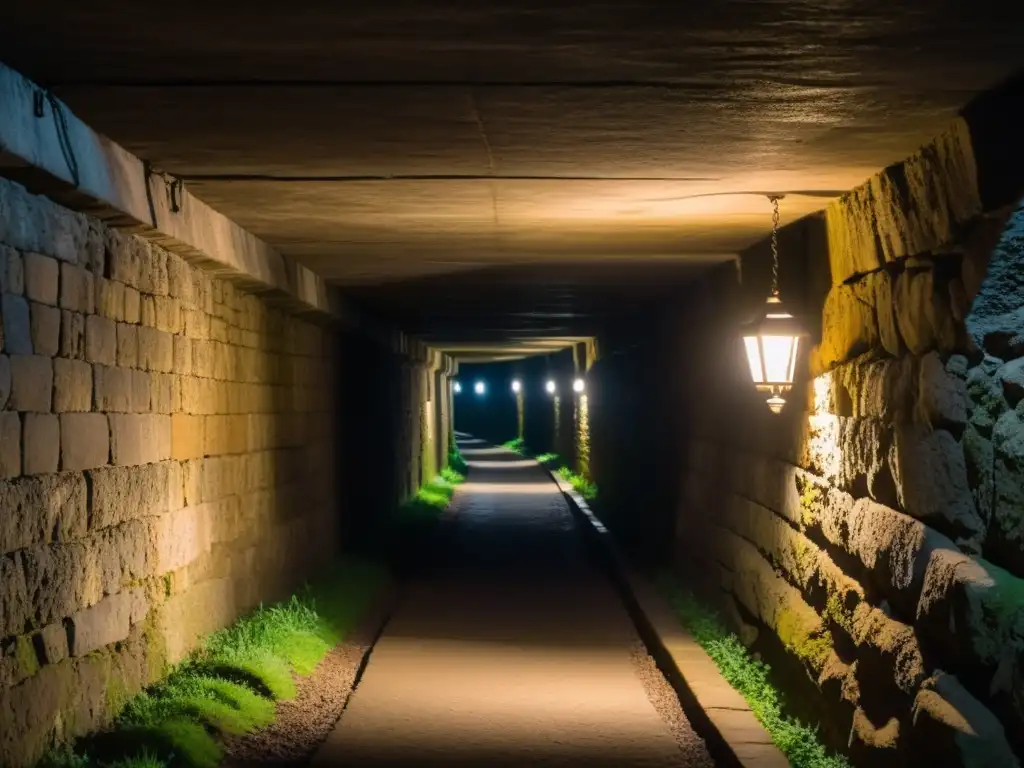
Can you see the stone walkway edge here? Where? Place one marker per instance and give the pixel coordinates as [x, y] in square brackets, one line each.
[719, 714]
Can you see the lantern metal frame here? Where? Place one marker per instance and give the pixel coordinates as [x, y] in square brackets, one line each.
[772, 343]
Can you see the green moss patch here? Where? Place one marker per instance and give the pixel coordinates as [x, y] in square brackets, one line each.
[229, 686]
[799, 743]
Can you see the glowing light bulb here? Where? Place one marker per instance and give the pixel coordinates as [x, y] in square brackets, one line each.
[457, 387]
[479, 388]
[550, 387]
[578, 385]
[516, 385]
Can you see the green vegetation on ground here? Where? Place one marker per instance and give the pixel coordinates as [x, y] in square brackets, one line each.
[799, 743]
[548, 458]
[230, 684]
[455, 460]
[518, 445]
[584, 487]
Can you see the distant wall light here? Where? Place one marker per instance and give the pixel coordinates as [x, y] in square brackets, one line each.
[479, 388]
[550, 387]
[457, 387]
[578, 385]
[516, 385]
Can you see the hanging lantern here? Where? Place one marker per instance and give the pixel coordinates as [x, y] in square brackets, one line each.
[773, 342]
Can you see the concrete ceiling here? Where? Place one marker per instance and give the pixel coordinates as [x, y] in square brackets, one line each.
[492, 173]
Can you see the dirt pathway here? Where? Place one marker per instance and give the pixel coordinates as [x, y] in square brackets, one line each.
[513, 651]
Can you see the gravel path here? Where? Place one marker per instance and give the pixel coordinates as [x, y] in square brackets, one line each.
[512, 650]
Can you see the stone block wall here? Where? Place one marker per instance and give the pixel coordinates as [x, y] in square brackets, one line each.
[166, 463]
[872, 536]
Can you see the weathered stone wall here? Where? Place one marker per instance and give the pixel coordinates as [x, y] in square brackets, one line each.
[166, 463]
[869, 541]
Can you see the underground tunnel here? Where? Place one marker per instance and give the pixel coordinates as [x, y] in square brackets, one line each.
[605, 384]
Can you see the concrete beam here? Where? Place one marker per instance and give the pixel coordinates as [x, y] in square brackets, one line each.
[927, 203]
[45, 147]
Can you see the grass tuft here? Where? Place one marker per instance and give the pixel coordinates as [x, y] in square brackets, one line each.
[455, 460]
[549, 458]
[518, 445]
[231, 683]
[799, 743]
[582, 486]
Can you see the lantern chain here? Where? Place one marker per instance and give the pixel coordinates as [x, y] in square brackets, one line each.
[775, 244]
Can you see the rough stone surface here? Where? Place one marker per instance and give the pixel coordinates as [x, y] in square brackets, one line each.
[950, 726]
[996, 318]
[986, 396]
[42, 509]
[17, 328]
[932, 483]
[10, 444]
[127, 493]
[849, 323]
[77, 290]
[45, 329]
[922, 314]
[1011, 376]
[72, 385]
[31, 383]
[5, 380]
[88, 386]
[100, 340]
[72, 335]
[41, 278]
[113, 388]
[40, 443]
[109, 621]
[1008, 507]
[85, 440]
[942, 395]
[54, 639]
[139, 438]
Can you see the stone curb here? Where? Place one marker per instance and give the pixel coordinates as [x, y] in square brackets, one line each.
[719, 714]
